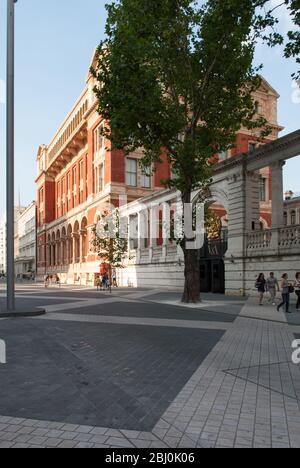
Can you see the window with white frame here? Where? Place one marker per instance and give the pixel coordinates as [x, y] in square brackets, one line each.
[146, 177]
[131, 172]
[81, 182]
[68, 194]
[263, 189]
[99, 139]
[74, 186]
[99, 178]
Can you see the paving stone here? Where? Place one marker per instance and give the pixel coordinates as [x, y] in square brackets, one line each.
[84, 437]
[98, 439]
[118, 442]
[67, 444]
[69, 435]
[52, 442]
[98, 431]
[84, 445]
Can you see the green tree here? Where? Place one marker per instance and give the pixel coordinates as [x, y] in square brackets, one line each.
[177, 77]
[109, 241]
[292, 48]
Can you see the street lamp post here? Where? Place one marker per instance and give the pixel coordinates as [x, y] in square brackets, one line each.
[10, 176]
[10, 78]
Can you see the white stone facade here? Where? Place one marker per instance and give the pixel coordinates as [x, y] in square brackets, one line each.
[25, 259]
[250, 250]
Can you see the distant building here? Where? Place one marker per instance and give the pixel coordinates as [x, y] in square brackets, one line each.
[291, 209]
[18, 211]
[25, 241]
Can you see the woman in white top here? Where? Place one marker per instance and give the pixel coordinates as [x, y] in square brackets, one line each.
[297, 290]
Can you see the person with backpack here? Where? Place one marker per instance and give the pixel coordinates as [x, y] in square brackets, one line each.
[261, 287]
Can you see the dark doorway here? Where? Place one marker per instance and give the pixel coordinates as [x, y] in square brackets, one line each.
[212, 268]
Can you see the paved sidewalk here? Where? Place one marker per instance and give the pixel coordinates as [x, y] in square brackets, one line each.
[244, 393]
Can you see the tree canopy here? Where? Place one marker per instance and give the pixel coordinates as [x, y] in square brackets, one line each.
[176, 78]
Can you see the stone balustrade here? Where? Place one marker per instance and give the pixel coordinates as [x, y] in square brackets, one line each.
[258, 240]
[289, 237]
[283, 241]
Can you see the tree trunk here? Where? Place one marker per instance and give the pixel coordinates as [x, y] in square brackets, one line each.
[191, 292]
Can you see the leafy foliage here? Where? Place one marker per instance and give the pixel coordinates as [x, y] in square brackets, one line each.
[213, 224]
[110, 243]
[176, 77]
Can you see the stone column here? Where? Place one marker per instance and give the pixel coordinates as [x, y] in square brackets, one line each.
[277, 195]
[48, 255]
[141, 235]
[277, 204]
[165, 229]
[73, 248]
[153, 231]
[83, 236]
[243, 210]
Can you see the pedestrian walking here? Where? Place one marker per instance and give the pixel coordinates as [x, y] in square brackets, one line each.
[286, 291]
[297, 290]
[114, 279]
[99, 283]
[104, 279]
[57, 281]
[272, 287]
[261, 287]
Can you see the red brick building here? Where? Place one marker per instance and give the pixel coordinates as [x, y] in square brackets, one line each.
[78, 174]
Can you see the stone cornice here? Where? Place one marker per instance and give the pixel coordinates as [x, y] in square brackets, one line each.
[260, 154]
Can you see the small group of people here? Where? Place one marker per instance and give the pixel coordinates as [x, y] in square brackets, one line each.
[272, 286]
[50, 280]
[103, 281]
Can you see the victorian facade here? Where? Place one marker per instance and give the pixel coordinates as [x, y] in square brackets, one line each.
[79, 174]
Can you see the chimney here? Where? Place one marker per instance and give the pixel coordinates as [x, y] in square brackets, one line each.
[289, 195]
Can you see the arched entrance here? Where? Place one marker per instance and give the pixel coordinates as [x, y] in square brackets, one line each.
[212, 265]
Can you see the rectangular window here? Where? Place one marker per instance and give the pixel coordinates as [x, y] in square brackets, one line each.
[99, 139]
[101, 178]
[58, 199]
[146, 178]
[68, 190]
[262, 189]
[74, 186]
[252, 147]
[131, 172]
[81, 182]
[64, 196]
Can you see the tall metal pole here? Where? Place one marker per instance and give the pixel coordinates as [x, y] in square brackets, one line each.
[10, 155]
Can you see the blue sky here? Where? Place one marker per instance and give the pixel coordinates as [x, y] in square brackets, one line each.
[55, 40]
